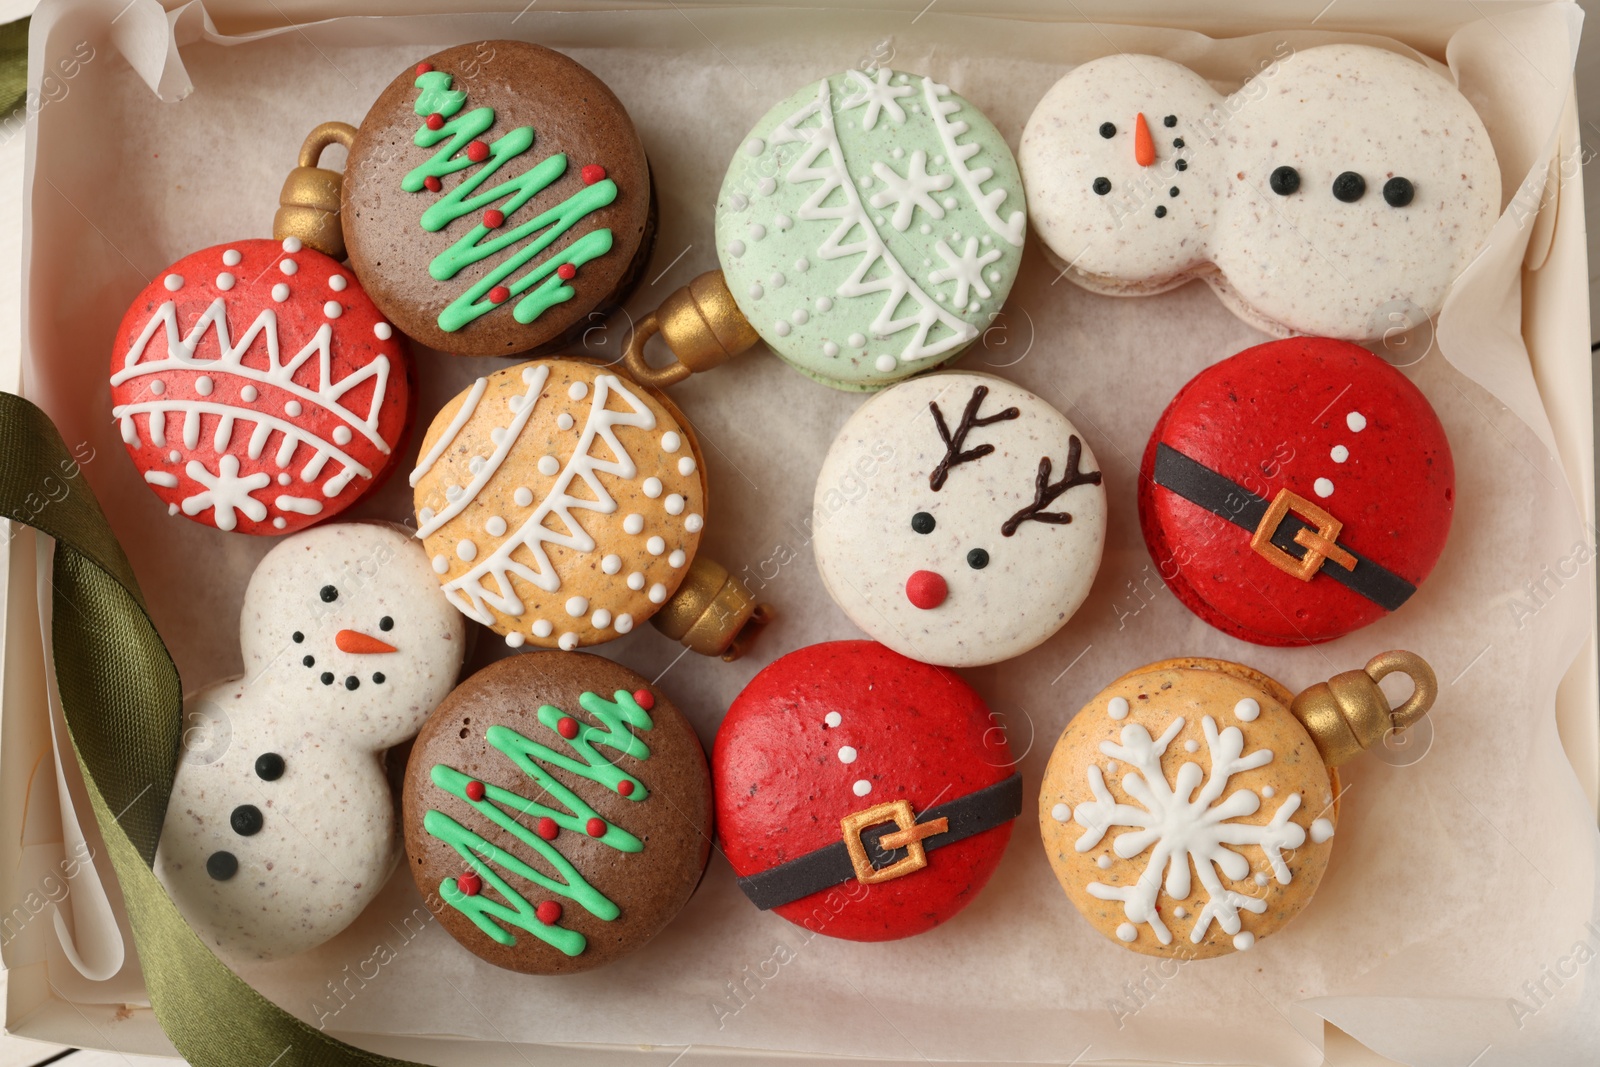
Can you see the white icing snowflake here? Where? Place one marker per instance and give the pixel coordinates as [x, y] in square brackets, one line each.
[1181, 829]
[879, 96]
[226, 492]
[911, 191]
[966, 269]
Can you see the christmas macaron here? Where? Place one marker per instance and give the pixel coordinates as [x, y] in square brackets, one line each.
[861, 794]
[1296, 492]
[496, 195]
[959, 519]
[257, 387]
[557, 812]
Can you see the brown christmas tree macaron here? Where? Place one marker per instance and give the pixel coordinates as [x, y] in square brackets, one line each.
[557, 812]
[496, 194]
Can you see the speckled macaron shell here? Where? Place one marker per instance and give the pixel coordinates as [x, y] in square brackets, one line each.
[877, 479]
[281, 825]
[1281, 806]
[870, 226]
[1253, 209]
[644, 855]
[560, 504]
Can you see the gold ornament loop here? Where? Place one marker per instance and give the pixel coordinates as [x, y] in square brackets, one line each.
[702, 326]
[642, 372]
[1349, 713]
[309, 204]
[1413, 666]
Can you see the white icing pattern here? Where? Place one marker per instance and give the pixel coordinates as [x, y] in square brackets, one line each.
[941, 105]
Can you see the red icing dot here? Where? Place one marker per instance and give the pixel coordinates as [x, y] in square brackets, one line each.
[625, 788]
[926, 590]
[493, 217]
[596, 828]
[432, 184]
[594, 172]
[477, 151]
[547, 828]
[474, 790]
[499, 295]
[645, 699]
[549, 912]
[423, 68]
[566, 272]
[435, 121]
[567, 727]
[470, 884]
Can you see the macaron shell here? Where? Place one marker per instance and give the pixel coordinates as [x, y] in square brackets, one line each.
[1280, 416]
[910, 731]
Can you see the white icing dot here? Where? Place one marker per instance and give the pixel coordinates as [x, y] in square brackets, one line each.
[285, 478]
[636, 581]
[600, 619]
[523, 496]
[652, 487]
[885, 363]
[1268, 792]
[1180, 912]
[225, 281]
[830, 349]
[757, 231]
[1247, 709]
[865, 181]
[824, 303]
[1127, 932]
[766, 186]
[337, 282]
[158, 387]
[440, 564]
[972, 307]
[611, 564]
[173, 282]
[514, 639]
[677, 559]
[925, 230]
[802, 265]
[1061, 813]
[288, 266]
[756, 291]
[578, 390]
[577, 606]
[624, 623]
[655, 546]
[855, 340]
[549, 465]
[291, 244]
[382, 331]
[1243, 940]
[693, 523]
[1261, 878]
[1321, 830]
[173, 456]
[832, 719]
[292, 408]
[754, 146]
[280, 522]
[657, 594]
[231, 258]
[248, 394]
[1323, 487]
[452, 491]
[674, 504]
[467, 551]
[783, 222]
[736, 248]
[564, 421]
[781, 328]
[671, 442]
[543, 628]
[495, 527]
[1103, 862]
[949, 202]
[568, 642]
[847, 754]
[1356, 421]
[800, 316]
[280, 292]
[1117, 708]
[994, 276]
[633, 523]
[861, 788]
[1339, 454]
[341, 435]
[1191, 745]
[686, 465]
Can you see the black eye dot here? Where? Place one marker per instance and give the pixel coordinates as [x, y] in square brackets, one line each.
[1170, 121]
[246, 820]
[329, 594]
[298, 637]
[1173, 191]
[310, 661]
[922, 522]
[378, 679]
[1108, 130]
[269, 766]
[1398, 192]
[327, 677]
[977, 559]
[1161, 212]
[1181, 164]
[1349, 187]
[1285, 181]
[1102, 186]
[222, 865]
[386, 623]
[352, 682]
[1177, 142]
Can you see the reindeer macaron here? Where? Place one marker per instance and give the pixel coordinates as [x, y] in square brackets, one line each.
[981, 526]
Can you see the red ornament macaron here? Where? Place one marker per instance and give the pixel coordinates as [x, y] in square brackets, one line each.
[258, 388]
[1296, 492]
[862, 794]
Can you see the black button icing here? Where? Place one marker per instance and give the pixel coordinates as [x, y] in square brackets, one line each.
[269, 766]
[1285, 181]
[352, 682]
[246, 820]
[1349, 187]
[378, 679]
[327, 677]
[329, 594]
[1102, 186]
[1170, 121]
[1398, 192]
[1161, 212]
[222, 865]
[386, 624]
[977, 559]
[310, 661]
[922, 522]
[1108, 130]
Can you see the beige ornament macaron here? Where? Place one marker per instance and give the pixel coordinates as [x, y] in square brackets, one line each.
[1189, 809]
[562, 504]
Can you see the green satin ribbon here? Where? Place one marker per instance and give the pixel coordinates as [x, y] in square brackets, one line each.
[13, 66]
[123, 705]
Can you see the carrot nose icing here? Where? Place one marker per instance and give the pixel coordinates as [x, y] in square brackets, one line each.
[1144, 149]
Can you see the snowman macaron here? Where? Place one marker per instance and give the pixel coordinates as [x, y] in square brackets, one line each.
[959, 519]
[281, 827]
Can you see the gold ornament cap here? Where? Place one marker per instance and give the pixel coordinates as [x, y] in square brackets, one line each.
[1348, 713]
[711, 613]
[309, 204]
[701, 325]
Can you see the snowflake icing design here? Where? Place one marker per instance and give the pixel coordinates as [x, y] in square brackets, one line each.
[911, 191]
[1181, 829]
[966, 269]
[226, 492]
[879, 96]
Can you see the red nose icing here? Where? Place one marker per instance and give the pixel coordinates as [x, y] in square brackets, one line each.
[926, 590]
